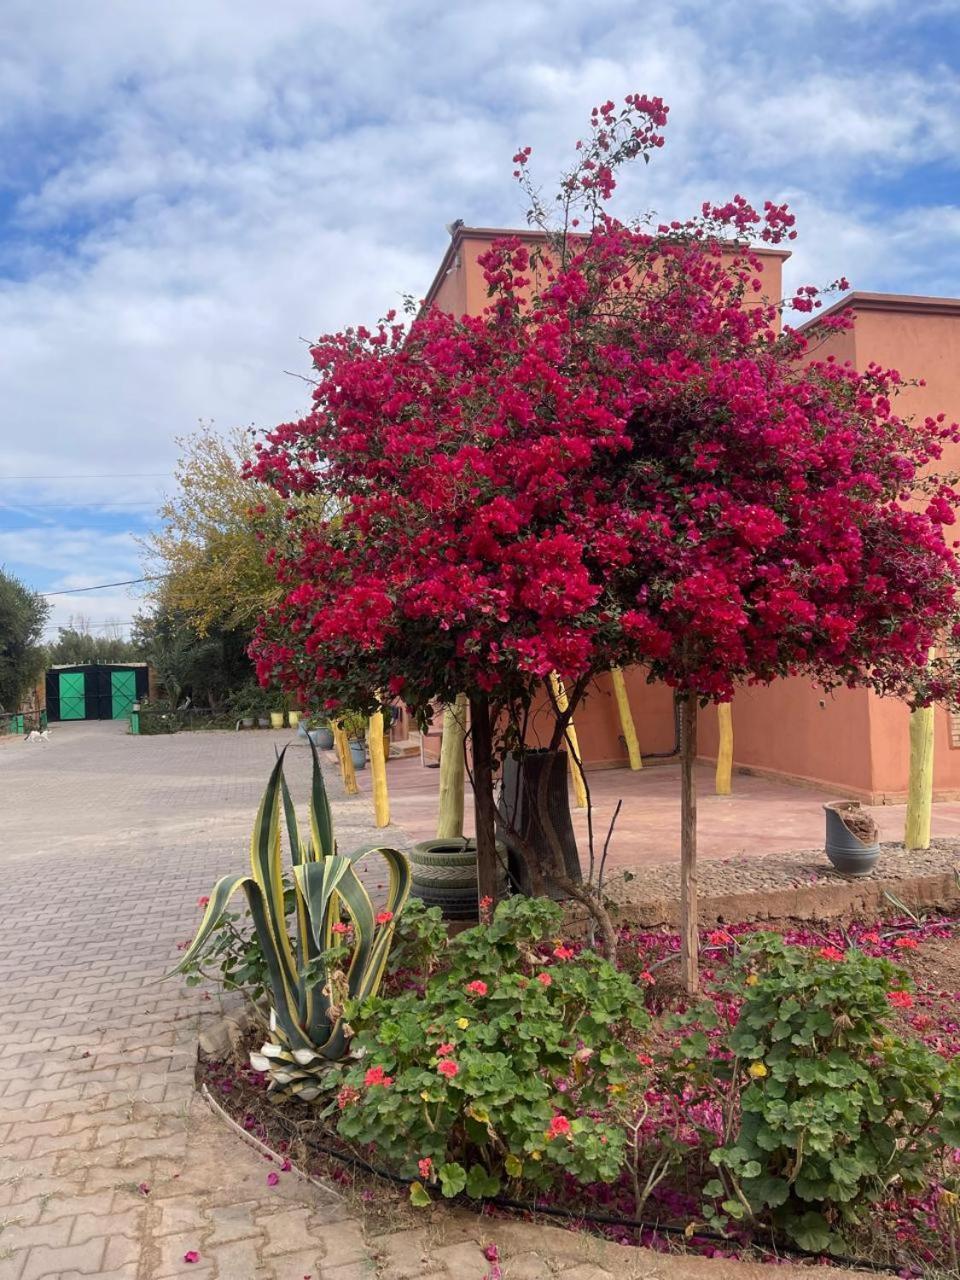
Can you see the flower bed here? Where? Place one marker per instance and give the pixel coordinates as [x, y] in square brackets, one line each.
[809, 1102]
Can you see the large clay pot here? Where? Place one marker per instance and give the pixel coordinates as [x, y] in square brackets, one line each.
[519, 804]
[293, 719]
[445, 875]
[276, 719]
[358, 753]
[852, 854]
[322, 737]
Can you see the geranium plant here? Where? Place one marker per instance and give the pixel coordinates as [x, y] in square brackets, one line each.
[500, 1069]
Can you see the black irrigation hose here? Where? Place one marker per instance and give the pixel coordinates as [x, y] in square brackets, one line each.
[598, 1219]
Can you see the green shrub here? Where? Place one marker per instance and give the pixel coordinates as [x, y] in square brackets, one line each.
[501, 1068]
[835, 1109]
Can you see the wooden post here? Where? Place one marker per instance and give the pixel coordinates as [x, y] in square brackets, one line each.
[481, 737]
[378, 770]
[689, 959]
[452, 769]
[347, 771]
[579, 789]
[920, 786]
[725, 749]
[626, 718]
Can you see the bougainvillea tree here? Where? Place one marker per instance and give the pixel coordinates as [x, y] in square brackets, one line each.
[626, 458]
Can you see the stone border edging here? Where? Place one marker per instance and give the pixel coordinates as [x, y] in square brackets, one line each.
[825, 900]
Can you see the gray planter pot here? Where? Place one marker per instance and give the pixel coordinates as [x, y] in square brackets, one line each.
[850, 855]
[520, 806]
[358, 754]
[322, 738]
[263, 722]
[247, 722]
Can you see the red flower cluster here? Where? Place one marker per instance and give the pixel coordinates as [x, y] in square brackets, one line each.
[448, 1068]
[476, 988]
[900, 999]
[559, 1127]
[830, 953]
[624, 460]
[375, 1075]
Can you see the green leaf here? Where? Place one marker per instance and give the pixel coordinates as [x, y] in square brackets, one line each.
[453, 1179]
[419, 1196]
[480, 1183]
[513, 1166]
[811, 1232]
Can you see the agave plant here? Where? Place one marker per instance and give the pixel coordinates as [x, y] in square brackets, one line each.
[306, 1002]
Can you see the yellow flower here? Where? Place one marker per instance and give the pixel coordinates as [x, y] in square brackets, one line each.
[949, 1198]
[752, 979]
[757, 1071]
[463, 1023]
[425, 1096]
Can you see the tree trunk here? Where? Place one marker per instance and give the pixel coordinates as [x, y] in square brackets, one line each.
[725, 749]
[378, 770]
[485, 813]
[452, 769]
[535, 807]
[626, 719]
[920, 786]
[689, 959]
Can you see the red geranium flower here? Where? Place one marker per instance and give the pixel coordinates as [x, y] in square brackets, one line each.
[559, 1126]
[830, 953]
[906, 944]
[425, 1166]
[563, 953]
[544, 979]
[203, 902]
[900, 999]
[341, 928]
[476, 988]
[375, 1075]
[384, 917]
[444, 1049]
[448, 1068]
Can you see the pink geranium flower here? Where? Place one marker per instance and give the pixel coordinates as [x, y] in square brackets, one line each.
[448, 1068]
[559, 1127]
[476, 988]
[375, 1075]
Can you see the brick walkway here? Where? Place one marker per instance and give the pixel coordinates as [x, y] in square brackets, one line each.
[107, 842]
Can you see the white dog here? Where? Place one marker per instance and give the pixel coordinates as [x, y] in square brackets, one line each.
[38, 735]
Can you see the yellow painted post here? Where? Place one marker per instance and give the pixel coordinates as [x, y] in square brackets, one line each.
[452, 769]
[916, 833]
[626, 718]
[579, 789]
[347, 771]
[378, 770]
[725, 749]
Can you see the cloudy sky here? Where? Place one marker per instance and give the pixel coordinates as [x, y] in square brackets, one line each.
[188, 190]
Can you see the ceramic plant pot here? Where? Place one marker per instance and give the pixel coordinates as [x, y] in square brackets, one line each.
[248, 722]
[293, 719]
[322, 737]
[276, 719]
[851, 838]
[358, 754]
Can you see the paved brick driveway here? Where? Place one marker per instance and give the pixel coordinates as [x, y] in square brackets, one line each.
[106, 842]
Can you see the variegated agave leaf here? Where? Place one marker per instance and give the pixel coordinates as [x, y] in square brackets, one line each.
[305, 1017]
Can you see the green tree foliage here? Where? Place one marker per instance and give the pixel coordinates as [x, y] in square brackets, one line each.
[77, 644]
[22, 615]
[205, 668]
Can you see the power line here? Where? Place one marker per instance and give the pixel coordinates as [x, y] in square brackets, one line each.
[102, 586]
[104, 475]
[92, 626]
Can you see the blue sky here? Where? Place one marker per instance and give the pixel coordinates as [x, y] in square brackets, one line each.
[187, 190]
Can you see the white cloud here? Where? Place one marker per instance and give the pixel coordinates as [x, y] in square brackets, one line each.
[194, 187]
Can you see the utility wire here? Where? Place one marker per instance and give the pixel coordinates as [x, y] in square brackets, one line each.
[102, 586]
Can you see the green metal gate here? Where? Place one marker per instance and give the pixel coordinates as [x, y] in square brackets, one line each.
[123, 688]
[73, 695]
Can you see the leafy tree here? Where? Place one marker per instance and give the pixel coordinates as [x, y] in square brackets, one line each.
[212, 549]
[206, 668]
[625, 460]
[77, 644]
[22, 615]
